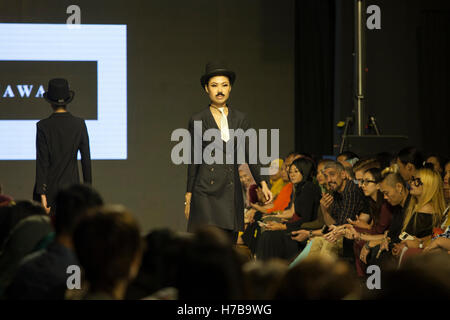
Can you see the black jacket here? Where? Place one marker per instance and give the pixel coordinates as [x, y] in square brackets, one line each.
[216, 188]
[58, 139]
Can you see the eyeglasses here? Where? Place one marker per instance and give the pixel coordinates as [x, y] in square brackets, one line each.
[416, 181]
[366, 182]
[358, 181]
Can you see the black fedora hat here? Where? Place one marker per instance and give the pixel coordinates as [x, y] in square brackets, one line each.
[213, 69]
[58, 92]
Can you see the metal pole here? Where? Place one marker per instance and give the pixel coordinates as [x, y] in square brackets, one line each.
[360, 62]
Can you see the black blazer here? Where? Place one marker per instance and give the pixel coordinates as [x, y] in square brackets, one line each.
[58, 139]
[216, 188]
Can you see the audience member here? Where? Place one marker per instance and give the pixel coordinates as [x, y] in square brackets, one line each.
[210, 268]
[23, 239]
[276, 241]
[263, 278]
[109, 247]
[160, 264]
[317, 278]
[437, 161]
[409, 160]
[43, 274]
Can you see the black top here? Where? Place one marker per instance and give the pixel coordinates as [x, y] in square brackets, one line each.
[216, 188]
[306, 203]
[348, 204]
[58, 139]
[423, 225]
[398, 215]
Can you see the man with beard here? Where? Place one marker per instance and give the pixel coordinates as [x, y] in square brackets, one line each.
[344, 201]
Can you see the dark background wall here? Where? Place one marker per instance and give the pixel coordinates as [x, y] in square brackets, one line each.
[394, 72]
[169, 43]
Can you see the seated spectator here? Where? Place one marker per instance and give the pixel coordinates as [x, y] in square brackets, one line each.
[160, 264]
[281, 203]
[276, 181]
[211, 268]
[422, 277]
[24, 238]
[43, 275]
[436, 161]
[108, 262]
[346, 202]
[385, 159]
[424, 213]
[247, 181]
[319, 277]
[13, 214]
[380, 215]
[378, 247]
[263, 278]
[362, 166]
[276, 241]
[409, 160]
[347, 159]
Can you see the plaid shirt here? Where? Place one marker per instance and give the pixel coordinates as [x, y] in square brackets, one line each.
[348, 204]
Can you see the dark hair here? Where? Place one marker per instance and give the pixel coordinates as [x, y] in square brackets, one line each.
[440, 159]
[384, 159]
[375, 207]
[411, 155]
[392, 177]
[212, 256]
[107, 241]
[348, 155]
[160, 264]
[71, 204]
[11, 216]
[317, 278]
[306, 168]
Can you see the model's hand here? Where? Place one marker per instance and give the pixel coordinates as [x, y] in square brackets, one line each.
[267, 193]
[187, 204]
[44, 203]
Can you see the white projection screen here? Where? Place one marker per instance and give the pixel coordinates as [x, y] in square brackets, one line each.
[93, 56]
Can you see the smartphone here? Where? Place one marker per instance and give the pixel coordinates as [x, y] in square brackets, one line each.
[405, 236]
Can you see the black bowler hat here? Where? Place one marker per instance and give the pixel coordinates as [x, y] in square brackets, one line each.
[213, 69]
[58, 92]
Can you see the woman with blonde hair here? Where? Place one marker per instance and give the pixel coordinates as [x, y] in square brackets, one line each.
[424, 212]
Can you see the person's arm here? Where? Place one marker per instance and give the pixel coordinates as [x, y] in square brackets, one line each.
[192, 167]
[263, 209]
[439, 243]
[85, 156]
[42, 165]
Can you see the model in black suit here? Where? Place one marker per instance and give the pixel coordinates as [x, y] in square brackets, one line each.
[58, 139]
[214, 192]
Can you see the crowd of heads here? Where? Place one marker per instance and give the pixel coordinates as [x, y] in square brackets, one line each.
[117, 262]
